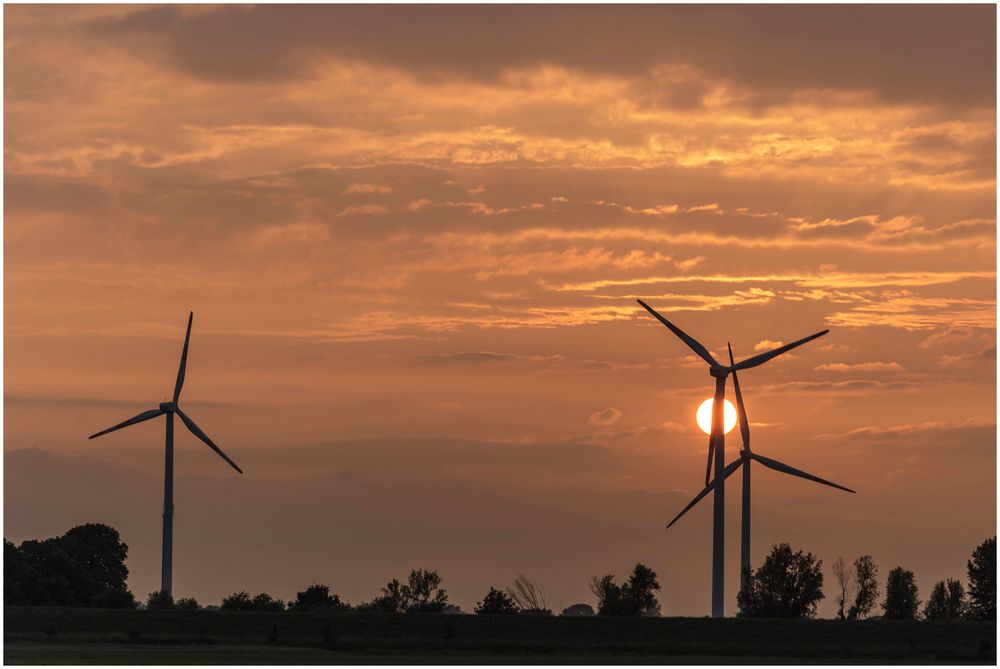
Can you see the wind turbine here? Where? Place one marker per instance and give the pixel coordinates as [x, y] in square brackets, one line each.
[746, 457]
[169, 409]
[717, 441]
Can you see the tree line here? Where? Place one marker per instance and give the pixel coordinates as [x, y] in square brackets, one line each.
[86, 568]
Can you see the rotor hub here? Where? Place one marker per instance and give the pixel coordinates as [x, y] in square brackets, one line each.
[169, 407]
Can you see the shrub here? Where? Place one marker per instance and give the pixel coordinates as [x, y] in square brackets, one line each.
[636, 597]
[496, 603]
[577, 610]
[187, 604]
[264, 602]
[114, 599]
[316, 597]
[238, 601]
[159, 600]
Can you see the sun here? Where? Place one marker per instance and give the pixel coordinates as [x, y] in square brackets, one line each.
[704, 416]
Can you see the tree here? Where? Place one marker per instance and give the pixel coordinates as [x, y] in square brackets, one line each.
[866, 584]
[423, 592]
[845, 582]
[496, 603]
[529, 597]
[265, 602]
[69, 570]
[609, 595]
[639, 592]
[316, 598]
[947, 601]
[578, 610]
[636, 597]
[788, 585]
[982, 571]
[159, 600]
[901, 601]
[187, 604]
[238, 601]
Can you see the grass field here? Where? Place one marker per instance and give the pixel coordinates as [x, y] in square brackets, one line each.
[91, 636]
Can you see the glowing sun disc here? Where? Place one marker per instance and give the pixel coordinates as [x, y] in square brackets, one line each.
[704, 416]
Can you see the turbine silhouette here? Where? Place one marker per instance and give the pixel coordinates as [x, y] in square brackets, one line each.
[169, 409]
[746, 457]
[717, 440]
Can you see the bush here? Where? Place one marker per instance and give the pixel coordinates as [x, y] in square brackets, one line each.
[114, 599]
[496, 603]
[636, 597]
[238, 601]
[159, 600]
[901, 601]
[316, 598]
[264, 602]
[788, 585]
[187, 604]
[578, 610]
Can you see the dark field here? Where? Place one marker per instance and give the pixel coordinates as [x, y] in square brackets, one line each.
[95, 636]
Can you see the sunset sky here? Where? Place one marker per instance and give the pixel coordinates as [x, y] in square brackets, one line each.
[412, 239]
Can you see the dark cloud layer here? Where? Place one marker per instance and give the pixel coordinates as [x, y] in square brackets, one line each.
[942, 53]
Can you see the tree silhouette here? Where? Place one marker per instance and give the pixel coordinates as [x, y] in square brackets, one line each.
[316, 597]
[238, 601]
[69, 570]
[788, 585]
[901, 602]
[159, 600]
[424, 593]
[636, 597]
[947, 601]
[845, 581]
[867, 590]
[496, 603]
[982, 571]
[265, 602]
[187, 604]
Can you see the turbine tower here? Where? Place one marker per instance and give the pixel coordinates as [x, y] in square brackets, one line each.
[169, 409]
[717, 441]
[746, 457]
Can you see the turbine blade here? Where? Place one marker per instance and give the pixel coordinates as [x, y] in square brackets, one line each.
[782, 467]
[764, 357]
[196, 431]
[184, 360]
[741, 410]
[692, 343]
[145, 415]
[732, 467]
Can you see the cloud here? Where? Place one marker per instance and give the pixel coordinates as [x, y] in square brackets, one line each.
[605, 417]
[860, 367]
[767, 345]
[368, 188]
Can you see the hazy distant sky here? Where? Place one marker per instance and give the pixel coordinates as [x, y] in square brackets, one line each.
[413, 238]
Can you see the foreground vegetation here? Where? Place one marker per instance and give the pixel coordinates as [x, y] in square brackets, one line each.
[55, 635]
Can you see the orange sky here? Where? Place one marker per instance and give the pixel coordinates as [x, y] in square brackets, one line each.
[413, 238]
